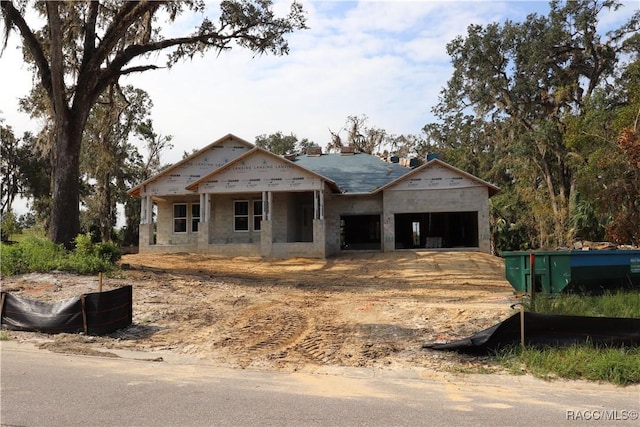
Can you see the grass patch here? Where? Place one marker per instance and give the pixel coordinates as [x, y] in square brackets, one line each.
[619, 366]
[4, 336]
[619, 304]
[38, 254]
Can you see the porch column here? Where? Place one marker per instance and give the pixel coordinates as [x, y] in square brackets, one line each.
[265, 206]
[205, 208]
[146, 210]
[321, 197]
[146, 222]
[266, 227]
[143, 210]
[316, 205]
[204, 226]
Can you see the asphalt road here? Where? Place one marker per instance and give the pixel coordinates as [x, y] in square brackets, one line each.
[39, 388]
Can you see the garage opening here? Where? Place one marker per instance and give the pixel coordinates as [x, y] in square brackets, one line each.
[436, 230]
[360, 232]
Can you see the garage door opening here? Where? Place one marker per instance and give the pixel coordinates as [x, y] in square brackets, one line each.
[436, 230]
[360, 232]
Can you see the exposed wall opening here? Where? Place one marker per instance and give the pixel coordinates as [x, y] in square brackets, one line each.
[300, 217]
[436, 230]
[360, 232]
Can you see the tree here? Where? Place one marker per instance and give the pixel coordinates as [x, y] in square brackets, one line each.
[24, 172]
[9, 163]
[281, 144]
[107, 155]
[525, 83]
[141, 168]
[8, 225]
[84, 47]
[364, 139]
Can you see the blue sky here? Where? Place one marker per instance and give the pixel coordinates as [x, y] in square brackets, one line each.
[383, 59]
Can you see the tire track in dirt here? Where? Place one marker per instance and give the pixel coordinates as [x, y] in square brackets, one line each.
[262, 331]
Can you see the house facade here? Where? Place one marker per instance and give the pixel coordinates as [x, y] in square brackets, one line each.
[234, 199]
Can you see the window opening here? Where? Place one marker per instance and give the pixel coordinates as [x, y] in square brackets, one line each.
[195, 217]
[257, 214]
[180, 218]
[240, 215]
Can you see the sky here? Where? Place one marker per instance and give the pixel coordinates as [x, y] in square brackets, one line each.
[386, 60]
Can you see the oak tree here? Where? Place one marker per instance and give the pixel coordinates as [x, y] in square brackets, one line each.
[84, 47]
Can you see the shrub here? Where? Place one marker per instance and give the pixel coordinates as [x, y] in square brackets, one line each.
[89, 257]
[32, 254]
[40, 254]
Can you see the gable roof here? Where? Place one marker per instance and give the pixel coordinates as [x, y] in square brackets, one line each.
[357, 173]
[135, 191]
[434, 162]
[194, 185]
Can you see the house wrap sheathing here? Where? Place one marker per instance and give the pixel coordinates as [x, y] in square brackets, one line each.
[232, 198]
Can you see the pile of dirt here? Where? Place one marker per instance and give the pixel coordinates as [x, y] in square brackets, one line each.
[359, 309]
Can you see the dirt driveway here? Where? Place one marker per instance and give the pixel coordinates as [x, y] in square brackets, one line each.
[359, 309]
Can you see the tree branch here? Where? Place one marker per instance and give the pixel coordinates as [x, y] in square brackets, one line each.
[90, 33]
[13, 17]
[138, 69]
[58, 89]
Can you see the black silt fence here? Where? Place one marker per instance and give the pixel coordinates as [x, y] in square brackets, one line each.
[95, 313]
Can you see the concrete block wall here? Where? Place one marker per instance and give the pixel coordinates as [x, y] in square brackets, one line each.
[221, 228]
[338, 205]
[279, 217]
[446, 200]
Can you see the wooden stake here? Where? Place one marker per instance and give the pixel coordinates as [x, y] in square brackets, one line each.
[84, 315]
[522, 325]
[100, 282]
[532, 264]
[2, 306]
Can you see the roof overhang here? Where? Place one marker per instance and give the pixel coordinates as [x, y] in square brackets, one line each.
[194, 185]
[135, 191]
[491, 188]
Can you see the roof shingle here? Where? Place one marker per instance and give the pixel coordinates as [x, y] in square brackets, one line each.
[355, 173]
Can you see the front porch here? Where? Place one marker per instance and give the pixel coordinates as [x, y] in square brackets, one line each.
[266, 224]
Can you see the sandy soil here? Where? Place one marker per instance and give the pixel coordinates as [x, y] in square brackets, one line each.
[359, 309]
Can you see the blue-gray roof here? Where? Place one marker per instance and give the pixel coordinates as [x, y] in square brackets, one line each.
[356, 173]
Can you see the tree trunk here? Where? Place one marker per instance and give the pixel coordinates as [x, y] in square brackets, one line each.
[106, 204]
[65, 211]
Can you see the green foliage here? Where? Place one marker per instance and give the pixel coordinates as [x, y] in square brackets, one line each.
[278, 143]
[38, 254]
[89, 257]
[9, 225]
[32, 254]
[619, 304]
[585, 361]
[620, 366]
[59, 33]
[530, 108]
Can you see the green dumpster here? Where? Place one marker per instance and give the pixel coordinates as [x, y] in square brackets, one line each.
[555, 271]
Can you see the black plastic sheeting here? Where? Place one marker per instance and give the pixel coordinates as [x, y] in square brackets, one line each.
[96, 313]
[549, 330]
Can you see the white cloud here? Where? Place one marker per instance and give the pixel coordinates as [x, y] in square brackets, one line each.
[385, 59]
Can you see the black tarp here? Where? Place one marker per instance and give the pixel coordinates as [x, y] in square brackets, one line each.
[109, 311]
[22, 314]
[549, 330]
[94, 313]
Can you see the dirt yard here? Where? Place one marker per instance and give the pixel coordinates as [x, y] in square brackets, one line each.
[359, 309]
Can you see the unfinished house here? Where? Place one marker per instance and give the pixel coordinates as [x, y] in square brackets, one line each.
[232, 198]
